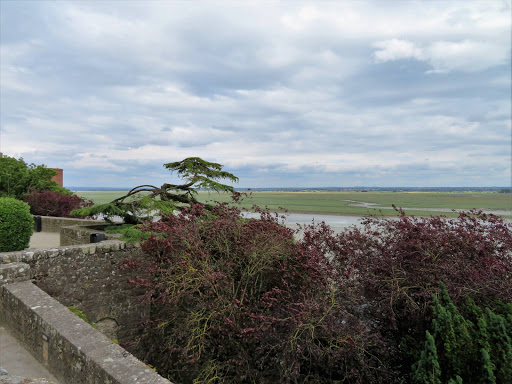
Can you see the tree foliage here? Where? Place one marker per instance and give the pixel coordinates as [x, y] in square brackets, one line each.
[470, 345]
[18, 178]
[427, 369]
[143, 201]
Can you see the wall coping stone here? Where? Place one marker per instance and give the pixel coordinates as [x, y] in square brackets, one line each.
[14, 272]
[30, 256]
[23, 380]
[80, 234]
[53, 224]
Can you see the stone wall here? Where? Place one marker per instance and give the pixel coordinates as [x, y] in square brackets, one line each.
[74, 231]
[89, 277]
[71, 349]
[14, 272]
[80, 234]
[53, 224]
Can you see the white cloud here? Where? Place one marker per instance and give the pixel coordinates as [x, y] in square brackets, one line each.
[14, 78]
[168, 95]
[449, 36]
[394, 49]
[290, 87]
[466, 55]
[444, 56]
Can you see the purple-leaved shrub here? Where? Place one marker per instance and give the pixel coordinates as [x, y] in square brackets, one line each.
[50, 203]
[236, 300]
[388, 270]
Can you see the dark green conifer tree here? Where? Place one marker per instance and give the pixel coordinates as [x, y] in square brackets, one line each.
[451, 332]
[427, 369]
[501, 351]
[471, 345]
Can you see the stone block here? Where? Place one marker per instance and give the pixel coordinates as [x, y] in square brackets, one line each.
[13, 272]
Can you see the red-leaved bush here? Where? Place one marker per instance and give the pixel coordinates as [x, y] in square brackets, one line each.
[238, 300]
[50, 203]
[394, 266]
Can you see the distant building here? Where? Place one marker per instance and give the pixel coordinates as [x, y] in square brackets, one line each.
[59, 177]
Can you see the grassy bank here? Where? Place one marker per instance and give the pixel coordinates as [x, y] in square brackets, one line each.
[353, 203]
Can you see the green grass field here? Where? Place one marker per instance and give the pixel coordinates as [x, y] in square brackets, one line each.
[341, 203]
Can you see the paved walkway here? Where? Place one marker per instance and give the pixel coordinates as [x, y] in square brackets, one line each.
[45, 240]
[19, 364]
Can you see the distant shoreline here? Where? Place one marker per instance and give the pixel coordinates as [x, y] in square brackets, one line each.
[330, 189]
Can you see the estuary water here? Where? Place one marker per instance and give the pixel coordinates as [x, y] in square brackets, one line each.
[336, 222]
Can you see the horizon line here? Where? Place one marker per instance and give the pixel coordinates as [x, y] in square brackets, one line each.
[318, 187]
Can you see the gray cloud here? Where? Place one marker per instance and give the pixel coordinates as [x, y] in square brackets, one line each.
[302, 94]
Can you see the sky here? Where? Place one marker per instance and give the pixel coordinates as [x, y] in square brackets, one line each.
[283, 94]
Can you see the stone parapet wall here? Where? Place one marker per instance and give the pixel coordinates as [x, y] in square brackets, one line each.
[71, 349]
[89, 277]
[53, 224]
[80, 234]
[36, 286]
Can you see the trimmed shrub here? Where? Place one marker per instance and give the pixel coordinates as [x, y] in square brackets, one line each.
[50, 203]
[16, 224]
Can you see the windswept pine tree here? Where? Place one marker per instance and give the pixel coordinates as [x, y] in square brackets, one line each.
[143, 200]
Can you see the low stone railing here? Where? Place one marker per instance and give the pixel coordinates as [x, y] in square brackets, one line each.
[72, 231]
[86, 276]
[72, 350]
[53, 224]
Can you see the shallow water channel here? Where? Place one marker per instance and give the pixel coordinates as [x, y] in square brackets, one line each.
[336, 222]
[292, 220]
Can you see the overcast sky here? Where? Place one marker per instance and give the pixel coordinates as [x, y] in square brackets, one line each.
[284, 94]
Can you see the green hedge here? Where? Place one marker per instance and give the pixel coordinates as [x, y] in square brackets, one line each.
[16, 225]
